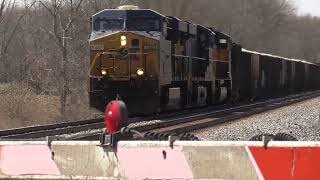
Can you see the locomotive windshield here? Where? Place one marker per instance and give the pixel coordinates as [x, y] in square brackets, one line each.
[137, 24]
[108, 24]
[142, 24]
[130, 20]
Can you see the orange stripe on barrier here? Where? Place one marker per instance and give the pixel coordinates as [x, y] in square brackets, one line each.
[307, 164]
[288, 163]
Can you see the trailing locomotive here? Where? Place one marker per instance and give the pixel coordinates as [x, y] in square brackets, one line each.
[155, 62]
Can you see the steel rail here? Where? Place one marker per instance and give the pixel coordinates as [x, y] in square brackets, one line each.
[229, 115]
[209, 119]
[189, 116]
[23, 130]
[42, 131]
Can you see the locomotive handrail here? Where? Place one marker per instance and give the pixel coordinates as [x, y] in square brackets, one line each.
[222, 61]
[139, 53]
[115, 53]
[197, 58]
[202, 59]
[110, 53]
[107, 68]
[94, 62]
[183, 56]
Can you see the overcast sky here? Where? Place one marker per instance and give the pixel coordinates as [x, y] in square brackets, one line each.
[303, 6]
[308, 7]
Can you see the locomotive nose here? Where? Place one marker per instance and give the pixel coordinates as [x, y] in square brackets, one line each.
[115, 116]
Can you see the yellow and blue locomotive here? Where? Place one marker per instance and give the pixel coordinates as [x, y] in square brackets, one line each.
[156, 62]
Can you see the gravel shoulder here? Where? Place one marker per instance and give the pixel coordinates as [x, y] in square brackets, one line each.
[302, 120]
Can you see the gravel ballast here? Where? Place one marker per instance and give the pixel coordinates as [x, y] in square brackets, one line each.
[300, 120]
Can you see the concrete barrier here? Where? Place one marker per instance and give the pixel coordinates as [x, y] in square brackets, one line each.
[158, 160]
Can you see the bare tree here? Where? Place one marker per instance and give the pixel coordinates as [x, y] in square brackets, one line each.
[6, 35]
[62, 22]
[8, 30]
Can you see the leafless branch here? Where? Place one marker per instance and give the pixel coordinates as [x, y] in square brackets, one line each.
[2, 6]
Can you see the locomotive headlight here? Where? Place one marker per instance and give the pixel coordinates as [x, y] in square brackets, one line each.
[103, 72]
[123, 40]
[140, 72]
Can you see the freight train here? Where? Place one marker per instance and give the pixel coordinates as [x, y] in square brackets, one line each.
[155, 63]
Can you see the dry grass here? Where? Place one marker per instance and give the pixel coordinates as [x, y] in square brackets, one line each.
[78, 107]
[20, 106]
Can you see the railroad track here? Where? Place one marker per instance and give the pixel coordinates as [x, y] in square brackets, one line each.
[41, 132]
[51, 130]
[182, 121]
[208, 119]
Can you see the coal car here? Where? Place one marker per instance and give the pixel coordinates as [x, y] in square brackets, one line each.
[260, 75]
